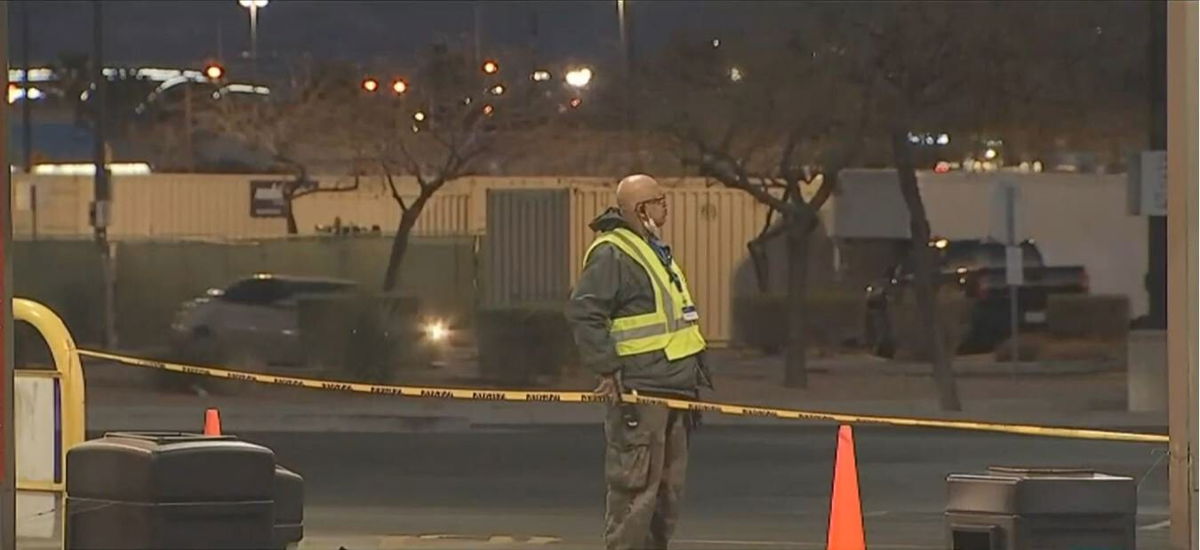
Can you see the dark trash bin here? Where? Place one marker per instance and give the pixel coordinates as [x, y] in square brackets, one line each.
[155, 490]
[289, 508]
[1041, 508]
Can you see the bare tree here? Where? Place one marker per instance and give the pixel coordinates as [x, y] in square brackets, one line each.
[967, 68]
[451, 121]
[292, 126]
[771, 125]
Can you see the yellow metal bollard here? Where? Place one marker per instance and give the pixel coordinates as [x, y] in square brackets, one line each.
[49, 420]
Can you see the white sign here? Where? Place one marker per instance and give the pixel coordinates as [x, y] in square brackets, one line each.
[1005, 215]
[1014, 264]
[1153, 176]
[1147, 177]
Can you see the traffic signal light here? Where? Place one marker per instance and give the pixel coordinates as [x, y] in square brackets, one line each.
[370, 84]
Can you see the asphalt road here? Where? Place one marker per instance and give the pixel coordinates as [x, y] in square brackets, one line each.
[748, 487]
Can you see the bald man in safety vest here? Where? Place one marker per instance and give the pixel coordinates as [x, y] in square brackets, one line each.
[637, 327]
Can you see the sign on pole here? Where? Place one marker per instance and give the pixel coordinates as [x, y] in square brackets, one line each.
[267, 200]
[1014, 272]
[1147, 179]
[1004, 216]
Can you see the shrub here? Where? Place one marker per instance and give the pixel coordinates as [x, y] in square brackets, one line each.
[1088, 316]
[835, 317]
[361, 337]
[954, 314]
[517, 344]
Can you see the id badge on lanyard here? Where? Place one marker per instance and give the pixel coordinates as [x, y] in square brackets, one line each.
[690, 314]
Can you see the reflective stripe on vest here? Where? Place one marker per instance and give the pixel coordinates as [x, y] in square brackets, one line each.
[665, 328]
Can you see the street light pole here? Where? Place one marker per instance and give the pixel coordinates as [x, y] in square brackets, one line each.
[102, 187]
[253, 6]
[629, 85]
[26, 106]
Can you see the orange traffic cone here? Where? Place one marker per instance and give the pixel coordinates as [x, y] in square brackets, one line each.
[845, 509]
[212, 422]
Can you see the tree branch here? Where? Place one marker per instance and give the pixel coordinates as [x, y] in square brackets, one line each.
[387, 173]
[337, 188]
[724, 169]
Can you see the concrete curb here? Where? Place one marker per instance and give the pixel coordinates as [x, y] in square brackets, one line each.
[428, 416]
[277, 419]
[981, 370]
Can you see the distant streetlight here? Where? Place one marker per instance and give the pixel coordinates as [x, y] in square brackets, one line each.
[399, 86]
[490, 67]
[497, 90]
[488, 109]
[736, 75]
[419, 116]
[540, 76]
[214, 71]
[253, 6]
[716, 42]
[579, 78]
[576, 102]
[989, 154]
[370, 84]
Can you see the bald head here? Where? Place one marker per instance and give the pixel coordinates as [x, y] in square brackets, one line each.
[641, 199]
[635, 190]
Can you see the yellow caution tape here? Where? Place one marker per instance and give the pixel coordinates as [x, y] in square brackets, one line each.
[589, 397]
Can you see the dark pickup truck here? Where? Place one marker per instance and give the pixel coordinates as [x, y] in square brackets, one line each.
[977, 269]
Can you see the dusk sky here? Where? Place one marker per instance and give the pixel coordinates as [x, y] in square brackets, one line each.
[177, 32]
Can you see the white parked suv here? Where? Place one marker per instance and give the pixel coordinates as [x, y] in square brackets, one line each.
[252, 322]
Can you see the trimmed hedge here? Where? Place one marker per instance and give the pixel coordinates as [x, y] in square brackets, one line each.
[837, 321]
[834, 319]
[361, 337]
[1088, 316]
[519, 344]
[1042, 347]
[954, 314]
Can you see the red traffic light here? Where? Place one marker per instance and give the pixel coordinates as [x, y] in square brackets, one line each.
[576, 102]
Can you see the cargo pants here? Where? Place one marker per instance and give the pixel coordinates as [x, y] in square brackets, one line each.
[645, 465]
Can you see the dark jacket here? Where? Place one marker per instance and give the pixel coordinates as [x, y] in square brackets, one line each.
[614, 285]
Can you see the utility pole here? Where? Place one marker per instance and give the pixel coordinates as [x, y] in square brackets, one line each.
[187, 127]
[477, 32]
[1156, 226]
[626, 27]
[8, 473]
[102, 203]
[1183, 205]
[26, 104]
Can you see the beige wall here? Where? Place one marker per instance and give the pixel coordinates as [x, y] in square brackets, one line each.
[1075, 219]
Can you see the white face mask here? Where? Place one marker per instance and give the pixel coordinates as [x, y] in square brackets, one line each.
[651, 227]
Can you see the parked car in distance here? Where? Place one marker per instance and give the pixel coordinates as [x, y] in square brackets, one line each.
[977, 269]
[254, 320]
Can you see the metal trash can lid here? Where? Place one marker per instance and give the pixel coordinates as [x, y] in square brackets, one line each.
[1020, 490]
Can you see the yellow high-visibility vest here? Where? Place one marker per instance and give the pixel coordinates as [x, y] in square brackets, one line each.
[668, 327]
